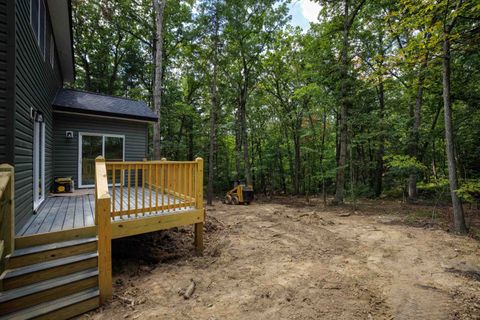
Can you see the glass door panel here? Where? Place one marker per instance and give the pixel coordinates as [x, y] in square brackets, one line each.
[113, 152]
[92, 147]
[113, 148]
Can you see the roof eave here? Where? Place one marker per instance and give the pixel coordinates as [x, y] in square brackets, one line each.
[103, 114]
[60, 11]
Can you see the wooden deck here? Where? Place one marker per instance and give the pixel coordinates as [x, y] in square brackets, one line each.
[59, 213]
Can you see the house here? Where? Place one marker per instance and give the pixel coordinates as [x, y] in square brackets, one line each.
[55, 250]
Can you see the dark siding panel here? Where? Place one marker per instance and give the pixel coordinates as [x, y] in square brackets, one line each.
[36, 86]
[66, 150]
[7, 69]
[3, 80]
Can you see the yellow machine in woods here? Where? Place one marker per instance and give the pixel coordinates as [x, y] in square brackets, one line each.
[240, 194]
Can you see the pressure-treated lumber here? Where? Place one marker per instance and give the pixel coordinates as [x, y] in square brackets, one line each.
[22, 298]
[29, 256]
[53, 237]
[198, 228]
[103, 220]
[23, 276]
[7, 201]
[126, 228]
[62, 308]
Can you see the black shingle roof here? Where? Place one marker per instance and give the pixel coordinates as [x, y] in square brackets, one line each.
[99, 104]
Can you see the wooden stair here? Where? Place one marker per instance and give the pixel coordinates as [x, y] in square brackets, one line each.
[51, 281]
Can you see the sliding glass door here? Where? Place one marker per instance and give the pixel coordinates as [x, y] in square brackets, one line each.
[92, 147]
[111, 147]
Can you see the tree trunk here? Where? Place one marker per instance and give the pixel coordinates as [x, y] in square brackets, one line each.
[377, 185]
[243, 129]
[342, 157]
[238, 141]
[379, 167]
[190, 142]
[159, 8]
[415, 138]
[297, 159]
[458, 216]
[213, 119]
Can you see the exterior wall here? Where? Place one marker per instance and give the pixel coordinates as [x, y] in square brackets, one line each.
[36, 86]
[66, 150]
[7, 69]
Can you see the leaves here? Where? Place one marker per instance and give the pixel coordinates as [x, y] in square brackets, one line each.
[291, 81]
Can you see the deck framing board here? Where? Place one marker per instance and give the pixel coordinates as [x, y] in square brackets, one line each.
[134, 226]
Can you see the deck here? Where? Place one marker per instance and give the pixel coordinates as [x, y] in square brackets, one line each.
[73, 211]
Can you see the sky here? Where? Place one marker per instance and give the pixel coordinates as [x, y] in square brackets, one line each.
[303, 12]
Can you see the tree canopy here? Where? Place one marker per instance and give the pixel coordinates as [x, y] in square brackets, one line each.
[352, 107]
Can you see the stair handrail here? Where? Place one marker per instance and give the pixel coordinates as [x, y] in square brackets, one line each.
[104, 229]
[7, 210]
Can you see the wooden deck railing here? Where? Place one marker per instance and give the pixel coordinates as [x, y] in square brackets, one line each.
[104, 230]
[144, 187]
[133, 189]
[7, 232]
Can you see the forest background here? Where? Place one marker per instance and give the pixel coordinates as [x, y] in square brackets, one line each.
[378, 98]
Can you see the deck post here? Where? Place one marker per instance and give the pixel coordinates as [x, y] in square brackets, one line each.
[104, 230]
[198, 227]
[8, 226]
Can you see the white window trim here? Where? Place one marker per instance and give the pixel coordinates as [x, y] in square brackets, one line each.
[103, 135]
[37, 155]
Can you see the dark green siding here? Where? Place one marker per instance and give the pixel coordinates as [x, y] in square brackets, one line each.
[7, 65]
[66, 150]
[36, 86]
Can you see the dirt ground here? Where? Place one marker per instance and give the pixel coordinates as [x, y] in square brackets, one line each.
[287, 259]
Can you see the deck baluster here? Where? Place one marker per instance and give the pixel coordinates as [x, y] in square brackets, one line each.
[128, 187]
[122, 172]
[136, 190]
[168, 187]
[162, 186]
[143, 188]
[157, 169]
[113, 189]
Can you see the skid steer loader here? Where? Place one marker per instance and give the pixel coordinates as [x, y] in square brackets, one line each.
[240, 194]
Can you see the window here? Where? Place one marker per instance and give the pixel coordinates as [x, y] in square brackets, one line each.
[42, 22]
[48, 40]
[34, 17]
[38, 21]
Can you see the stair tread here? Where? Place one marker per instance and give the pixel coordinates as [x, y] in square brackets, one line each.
[53, 305]
[50, 246]
[10, 273]
[12, 294]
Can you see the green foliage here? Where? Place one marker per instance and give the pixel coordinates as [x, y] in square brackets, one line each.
[292, 80]
[469, 191]
[402, 166]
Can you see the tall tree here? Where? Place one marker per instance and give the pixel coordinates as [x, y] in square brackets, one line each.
[348, 10]
[249, 31]
[212, 19]
[159, 9]
[448, 25]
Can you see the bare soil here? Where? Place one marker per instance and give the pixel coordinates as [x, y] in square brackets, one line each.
[288, 259]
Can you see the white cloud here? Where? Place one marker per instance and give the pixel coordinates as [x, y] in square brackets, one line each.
[310, 10]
